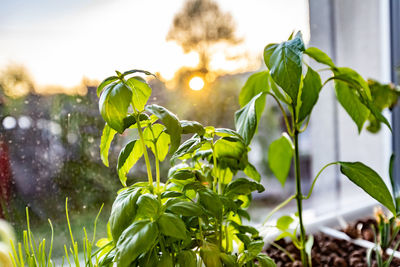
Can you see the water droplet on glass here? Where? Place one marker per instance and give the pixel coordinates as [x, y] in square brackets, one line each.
[9, 123]
[24, 122]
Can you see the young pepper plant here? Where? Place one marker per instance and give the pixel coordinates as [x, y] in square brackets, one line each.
[208, 163]
[295, 86]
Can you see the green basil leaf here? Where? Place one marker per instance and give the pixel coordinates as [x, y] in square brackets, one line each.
[211, 202]
[187, 147]
[210, 254]
[309, 94]
[172, 225]
[130, 120]
[107, 258]
[350, 101]
[187, 258]
[229, 260]
[368, 180]
[182, 174]
[171, 122]
[137, 239]
[280, 155]
[128, 157]
[253, 249]
[242, 186]
[225, 132]
[148, 207]
[248, 117]
[123, 211]
[136, 70]
[165, 260]
[284, 62]
[255, 84]
[319, 56]
[192, 127]
[243, 214]
[243, 229]
[252, 172]
[104, 83]
[141, 92]
[171, 194]
[225, 147]
[265, 261]
[186, 208]
[106, 139]
[156, 132]
[113, 105]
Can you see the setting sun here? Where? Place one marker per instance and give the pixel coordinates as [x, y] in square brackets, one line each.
[196, 83]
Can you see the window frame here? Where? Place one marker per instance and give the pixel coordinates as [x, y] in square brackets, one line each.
[395, 76]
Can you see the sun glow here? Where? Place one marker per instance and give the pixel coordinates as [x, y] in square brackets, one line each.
[196, 83]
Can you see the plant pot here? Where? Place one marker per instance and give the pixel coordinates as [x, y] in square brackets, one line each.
[331, 247]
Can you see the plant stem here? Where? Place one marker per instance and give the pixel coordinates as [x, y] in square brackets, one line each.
[283, 204]
[157, 170]
[156, 160]
[288, 128]
[316, 178]
[216, 180]
[299, 197]
[146, 156]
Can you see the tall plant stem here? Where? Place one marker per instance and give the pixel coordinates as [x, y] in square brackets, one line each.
[157, 170]
[299, 198]
[146, 156]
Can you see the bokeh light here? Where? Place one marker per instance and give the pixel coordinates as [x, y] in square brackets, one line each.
[196, 83]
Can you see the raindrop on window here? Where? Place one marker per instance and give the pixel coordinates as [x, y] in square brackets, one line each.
[72, 138]
[55, 128]
[24, 122]
[9, 122]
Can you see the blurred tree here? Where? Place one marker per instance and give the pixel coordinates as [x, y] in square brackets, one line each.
[15, 81]
[199, 26]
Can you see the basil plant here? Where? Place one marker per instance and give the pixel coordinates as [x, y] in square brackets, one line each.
[195, 217]
[295, 86]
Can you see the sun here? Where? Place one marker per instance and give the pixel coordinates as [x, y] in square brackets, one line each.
[196, 83]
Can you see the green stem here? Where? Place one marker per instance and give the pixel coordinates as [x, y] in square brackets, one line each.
[316, 177]
[215, 182]
[146, 156]
[157, 161]
[289, 129]
[299, 197]
[226, 238]
[284, 251]
[306, 124]
[140, 131]
[284, 203]
[220, 235]
[157, 171]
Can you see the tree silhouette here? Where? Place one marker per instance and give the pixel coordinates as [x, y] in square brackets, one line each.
[199, 25]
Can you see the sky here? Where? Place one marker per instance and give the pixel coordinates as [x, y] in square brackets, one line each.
[61, 42]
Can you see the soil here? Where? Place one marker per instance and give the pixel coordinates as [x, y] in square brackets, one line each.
[326, 252]
[361, 229]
